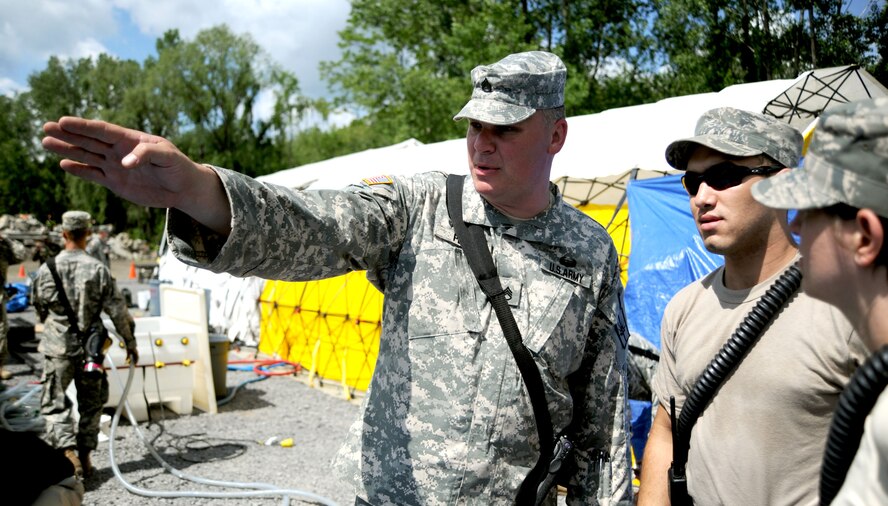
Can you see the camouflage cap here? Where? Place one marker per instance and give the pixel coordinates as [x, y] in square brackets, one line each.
[512, 89]
[847, 162]
[76, 220]
[739, 133]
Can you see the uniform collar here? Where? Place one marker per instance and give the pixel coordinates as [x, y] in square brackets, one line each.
[538, 229]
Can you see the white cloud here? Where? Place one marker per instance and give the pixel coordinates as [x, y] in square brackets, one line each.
[8, 87]
[297, 34]
[33, 31]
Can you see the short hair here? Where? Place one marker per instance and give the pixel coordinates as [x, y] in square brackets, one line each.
[845, 212]
[552, 115]
[77, 234]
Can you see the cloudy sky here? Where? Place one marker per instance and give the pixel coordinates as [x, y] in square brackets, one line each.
[296, 33]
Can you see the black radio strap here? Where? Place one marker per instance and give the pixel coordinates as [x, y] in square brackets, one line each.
[63, 298]
[474, 245]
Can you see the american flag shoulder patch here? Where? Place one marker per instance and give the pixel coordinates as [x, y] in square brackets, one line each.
[370, 181]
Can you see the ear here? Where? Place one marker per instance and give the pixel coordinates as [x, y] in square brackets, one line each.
[869, 237]
[559, 135]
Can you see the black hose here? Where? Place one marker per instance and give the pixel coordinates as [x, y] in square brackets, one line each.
[730, 355]
[846, 430]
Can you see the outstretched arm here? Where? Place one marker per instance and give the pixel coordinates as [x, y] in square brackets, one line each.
[145, 169]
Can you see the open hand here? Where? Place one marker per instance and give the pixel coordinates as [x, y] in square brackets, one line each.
[145, 169]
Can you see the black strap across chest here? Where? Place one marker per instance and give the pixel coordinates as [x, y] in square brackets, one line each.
[63, 297]
[474, 246]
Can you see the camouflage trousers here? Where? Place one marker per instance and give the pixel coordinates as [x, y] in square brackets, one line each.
[56, 407]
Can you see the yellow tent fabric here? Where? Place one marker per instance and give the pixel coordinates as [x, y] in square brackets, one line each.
[332, 327]
[617, 225]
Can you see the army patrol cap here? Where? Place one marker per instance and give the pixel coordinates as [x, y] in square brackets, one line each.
[76, 220]
[847, 163]
[512, 89]
[739, 133]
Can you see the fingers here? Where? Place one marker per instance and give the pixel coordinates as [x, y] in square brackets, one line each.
[101, 131]
[85, 171]
[75, 152]
[104, 145]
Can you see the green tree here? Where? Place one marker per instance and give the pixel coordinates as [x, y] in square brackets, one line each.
[93, 88]
[708, 45]
[203, 95]
[27, 185]
[216, 82]
[405, 65]
[877, 35]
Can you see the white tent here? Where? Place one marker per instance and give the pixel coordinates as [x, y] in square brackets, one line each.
[602, 152]
[818, 90]
[599, 146]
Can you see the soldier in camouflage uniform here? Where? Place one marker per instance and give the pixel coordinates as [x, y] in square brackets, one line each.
[97, 246]
[842, 197]
[760, 438]
[90, 290]
[11, 252]
[447, 419]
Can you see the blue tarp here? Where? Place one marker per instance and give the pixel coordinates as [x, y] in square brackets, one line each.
[667, 252]
[19, 297]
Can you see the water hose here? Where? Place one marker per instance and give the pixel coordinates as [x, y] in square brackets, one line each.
[846, 430]
[262, 489]
[20, 408]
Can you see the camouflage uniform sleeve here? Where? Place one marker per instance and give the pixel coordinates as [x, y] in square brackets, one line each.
[281, 233]
[603, 462]
[115, 307]
[37, 297]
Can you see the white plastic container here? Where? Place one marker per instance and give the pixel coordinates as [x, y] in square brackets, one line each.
[174, 365]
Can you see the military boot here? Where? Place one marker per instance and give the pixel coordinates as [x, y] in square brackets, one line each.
[88, 468]
[71, 454]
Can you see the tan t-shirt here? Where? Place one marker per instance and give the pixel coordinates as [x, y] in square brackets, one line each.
[761, 439]
[867, 479]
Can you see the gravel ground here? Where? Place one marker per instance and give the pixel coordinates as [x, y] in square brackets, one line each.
[227, 446]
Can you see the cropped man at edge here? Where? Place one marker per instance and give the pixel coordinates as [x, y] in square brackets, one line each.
[447, 419]
[761, 438]
[842, 197]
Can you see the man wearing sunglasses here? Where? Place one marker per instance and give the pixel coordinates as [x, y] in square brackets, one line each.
[760, 439]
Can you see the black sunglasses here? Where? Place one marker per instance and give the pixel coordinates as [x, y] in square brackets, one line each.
[722, 176]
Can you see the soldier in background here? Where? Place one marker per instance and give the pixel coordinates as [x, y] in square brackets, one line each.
[97, 246]
[90, 290]
[11, 252]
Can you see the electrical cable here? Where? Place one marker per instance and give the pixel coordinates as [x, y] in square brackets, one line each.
[231, 392]
[263, 489]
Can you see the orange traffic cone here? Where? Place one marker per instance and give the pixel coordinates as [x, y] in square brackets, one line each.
[132, 274]
[22, 271]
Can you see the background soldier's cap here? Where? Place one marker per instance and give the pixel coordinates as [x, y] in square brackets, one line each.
[739, 133]
[847, 162]
[512, 89]
[76, 220]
